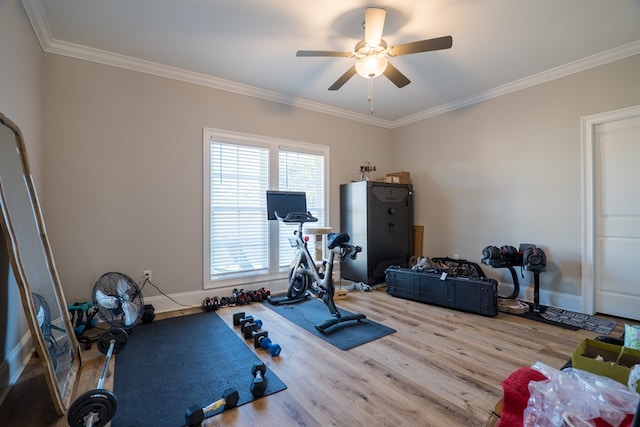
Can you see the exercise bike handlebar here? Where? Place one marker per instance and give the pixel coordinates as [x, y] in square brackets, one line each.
[300, 217]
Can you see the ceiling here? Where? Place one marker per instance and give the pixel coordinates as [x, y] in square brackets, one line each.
[249, 46]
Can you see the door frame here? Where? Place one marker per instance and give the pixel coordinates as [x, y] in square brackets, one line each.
[588, 138]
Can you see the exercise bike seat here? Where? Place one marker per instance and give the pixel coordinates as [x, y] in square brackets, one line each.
[336, 239]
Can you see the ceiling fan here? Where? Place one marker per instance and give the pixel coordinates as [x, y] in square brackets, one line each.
[372, 53]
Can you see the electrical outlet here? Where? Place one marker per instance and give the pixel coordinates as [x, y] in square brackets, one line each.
[146, 275]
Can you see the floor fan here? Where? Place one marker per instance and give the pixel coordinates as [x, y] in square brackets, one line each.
[118, 300]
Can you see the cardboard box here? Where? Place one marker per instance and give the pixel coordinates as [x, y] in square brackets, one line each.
[616, 361]
[418, 239]
[398, 178]
[494, 415]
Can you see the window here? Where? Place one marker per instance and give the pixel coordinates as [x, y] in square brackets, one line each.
[300, 171]
[240, 245]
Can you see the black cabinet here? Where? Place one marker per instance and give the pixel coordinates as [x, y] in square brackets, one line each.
[379, 217]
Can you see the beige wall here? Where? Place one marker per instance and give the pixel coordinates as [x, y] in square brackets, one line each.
[123, 171]
[116, 156]
[508, 171]
[20, 91]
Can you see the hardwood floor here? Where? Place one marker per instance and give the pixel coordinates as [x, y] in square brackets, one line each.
[441, 368]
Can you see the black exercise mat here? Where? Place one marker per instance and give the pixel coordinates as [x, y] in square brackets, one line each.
[345, 336]
[170, 365]
[570, 319]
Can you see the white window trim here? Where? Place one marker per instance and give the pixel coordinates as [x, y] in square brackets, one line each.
[245, 280]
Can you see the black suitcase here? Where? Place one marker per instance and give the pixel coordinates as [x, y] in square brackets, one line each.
[437, 287]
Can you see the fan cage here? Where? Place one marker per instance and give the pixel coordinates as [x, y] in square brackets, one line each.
[108, 284]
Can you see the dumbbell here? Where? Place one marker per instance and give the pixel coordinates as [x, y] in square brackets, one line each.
[241, 296]
[250, 327]
[265, 293]
[259, 384]
[261, 340]
[239, 318]
[247, 324]
[256, 296]
[196, 414]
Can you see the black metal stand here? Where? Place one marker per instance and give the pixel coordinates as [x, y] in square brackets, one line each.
[509, 264]
[536, 292]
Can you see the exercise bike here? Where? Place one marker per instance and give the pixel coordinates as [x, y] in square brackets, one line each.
[304, 275]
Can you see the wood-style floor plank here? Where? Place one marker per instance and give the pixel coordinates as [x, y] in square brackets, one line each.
[441, 367]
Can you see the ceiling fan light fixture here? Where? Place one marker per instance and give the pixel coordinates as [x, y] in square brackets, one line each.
[371, 66]
[371, 54]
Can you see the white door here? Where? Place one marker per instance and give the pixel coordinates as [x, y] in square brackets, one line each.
[617, 218]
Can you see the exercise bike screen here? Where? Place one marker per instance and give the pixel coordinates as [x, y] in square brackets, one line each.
[285, 202]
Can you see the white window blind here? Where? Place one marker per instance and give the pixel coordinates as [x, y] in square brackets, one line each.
[239, 230]
[299, 171]
[241, 247]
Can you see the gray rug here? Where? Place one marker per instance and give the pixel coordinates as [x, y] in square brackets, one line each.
[569, 319]
[307, 314]
[579, 320]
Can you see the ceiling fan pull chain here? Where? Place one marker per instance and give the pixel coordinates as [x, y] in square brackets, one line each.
[371, 93]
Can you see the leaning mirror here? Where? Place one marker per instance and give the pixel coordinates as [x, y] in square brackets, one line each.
[34, 269]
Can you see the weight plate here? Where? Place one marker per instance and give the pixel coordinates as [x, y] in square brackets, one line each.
[102, 403]
[119, 336]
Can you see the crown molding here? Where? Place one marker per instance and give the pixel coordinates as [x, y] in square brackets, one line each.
[602, 58]
[38, 20]
[135, 64]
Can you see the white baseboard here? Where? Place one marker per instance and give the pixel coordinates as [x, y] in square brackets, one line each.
[15, 363]
[549, 298]
[195, 298]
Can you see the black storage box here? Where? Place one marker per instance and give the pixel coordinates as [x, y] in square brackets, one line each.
[437, 287]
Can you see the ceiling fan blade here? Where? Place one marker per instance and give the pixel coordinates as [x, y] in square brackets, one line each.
[323, 53]
[373, 25]
[343, 79]
[396, 77]
[422, 46]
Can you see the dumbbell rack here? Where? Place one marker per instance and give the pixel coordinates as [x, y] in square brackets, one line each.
[509, 264]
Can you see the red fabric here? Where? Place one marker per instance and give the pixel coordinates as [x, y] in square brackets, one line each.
[516, 397]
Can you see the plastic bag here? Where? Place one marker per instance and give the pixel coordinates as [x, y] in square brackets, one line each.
[573, 397]
[632, 336]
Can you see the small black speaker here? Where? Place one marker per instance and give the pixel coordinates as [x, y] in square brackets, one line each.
[148, 314]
